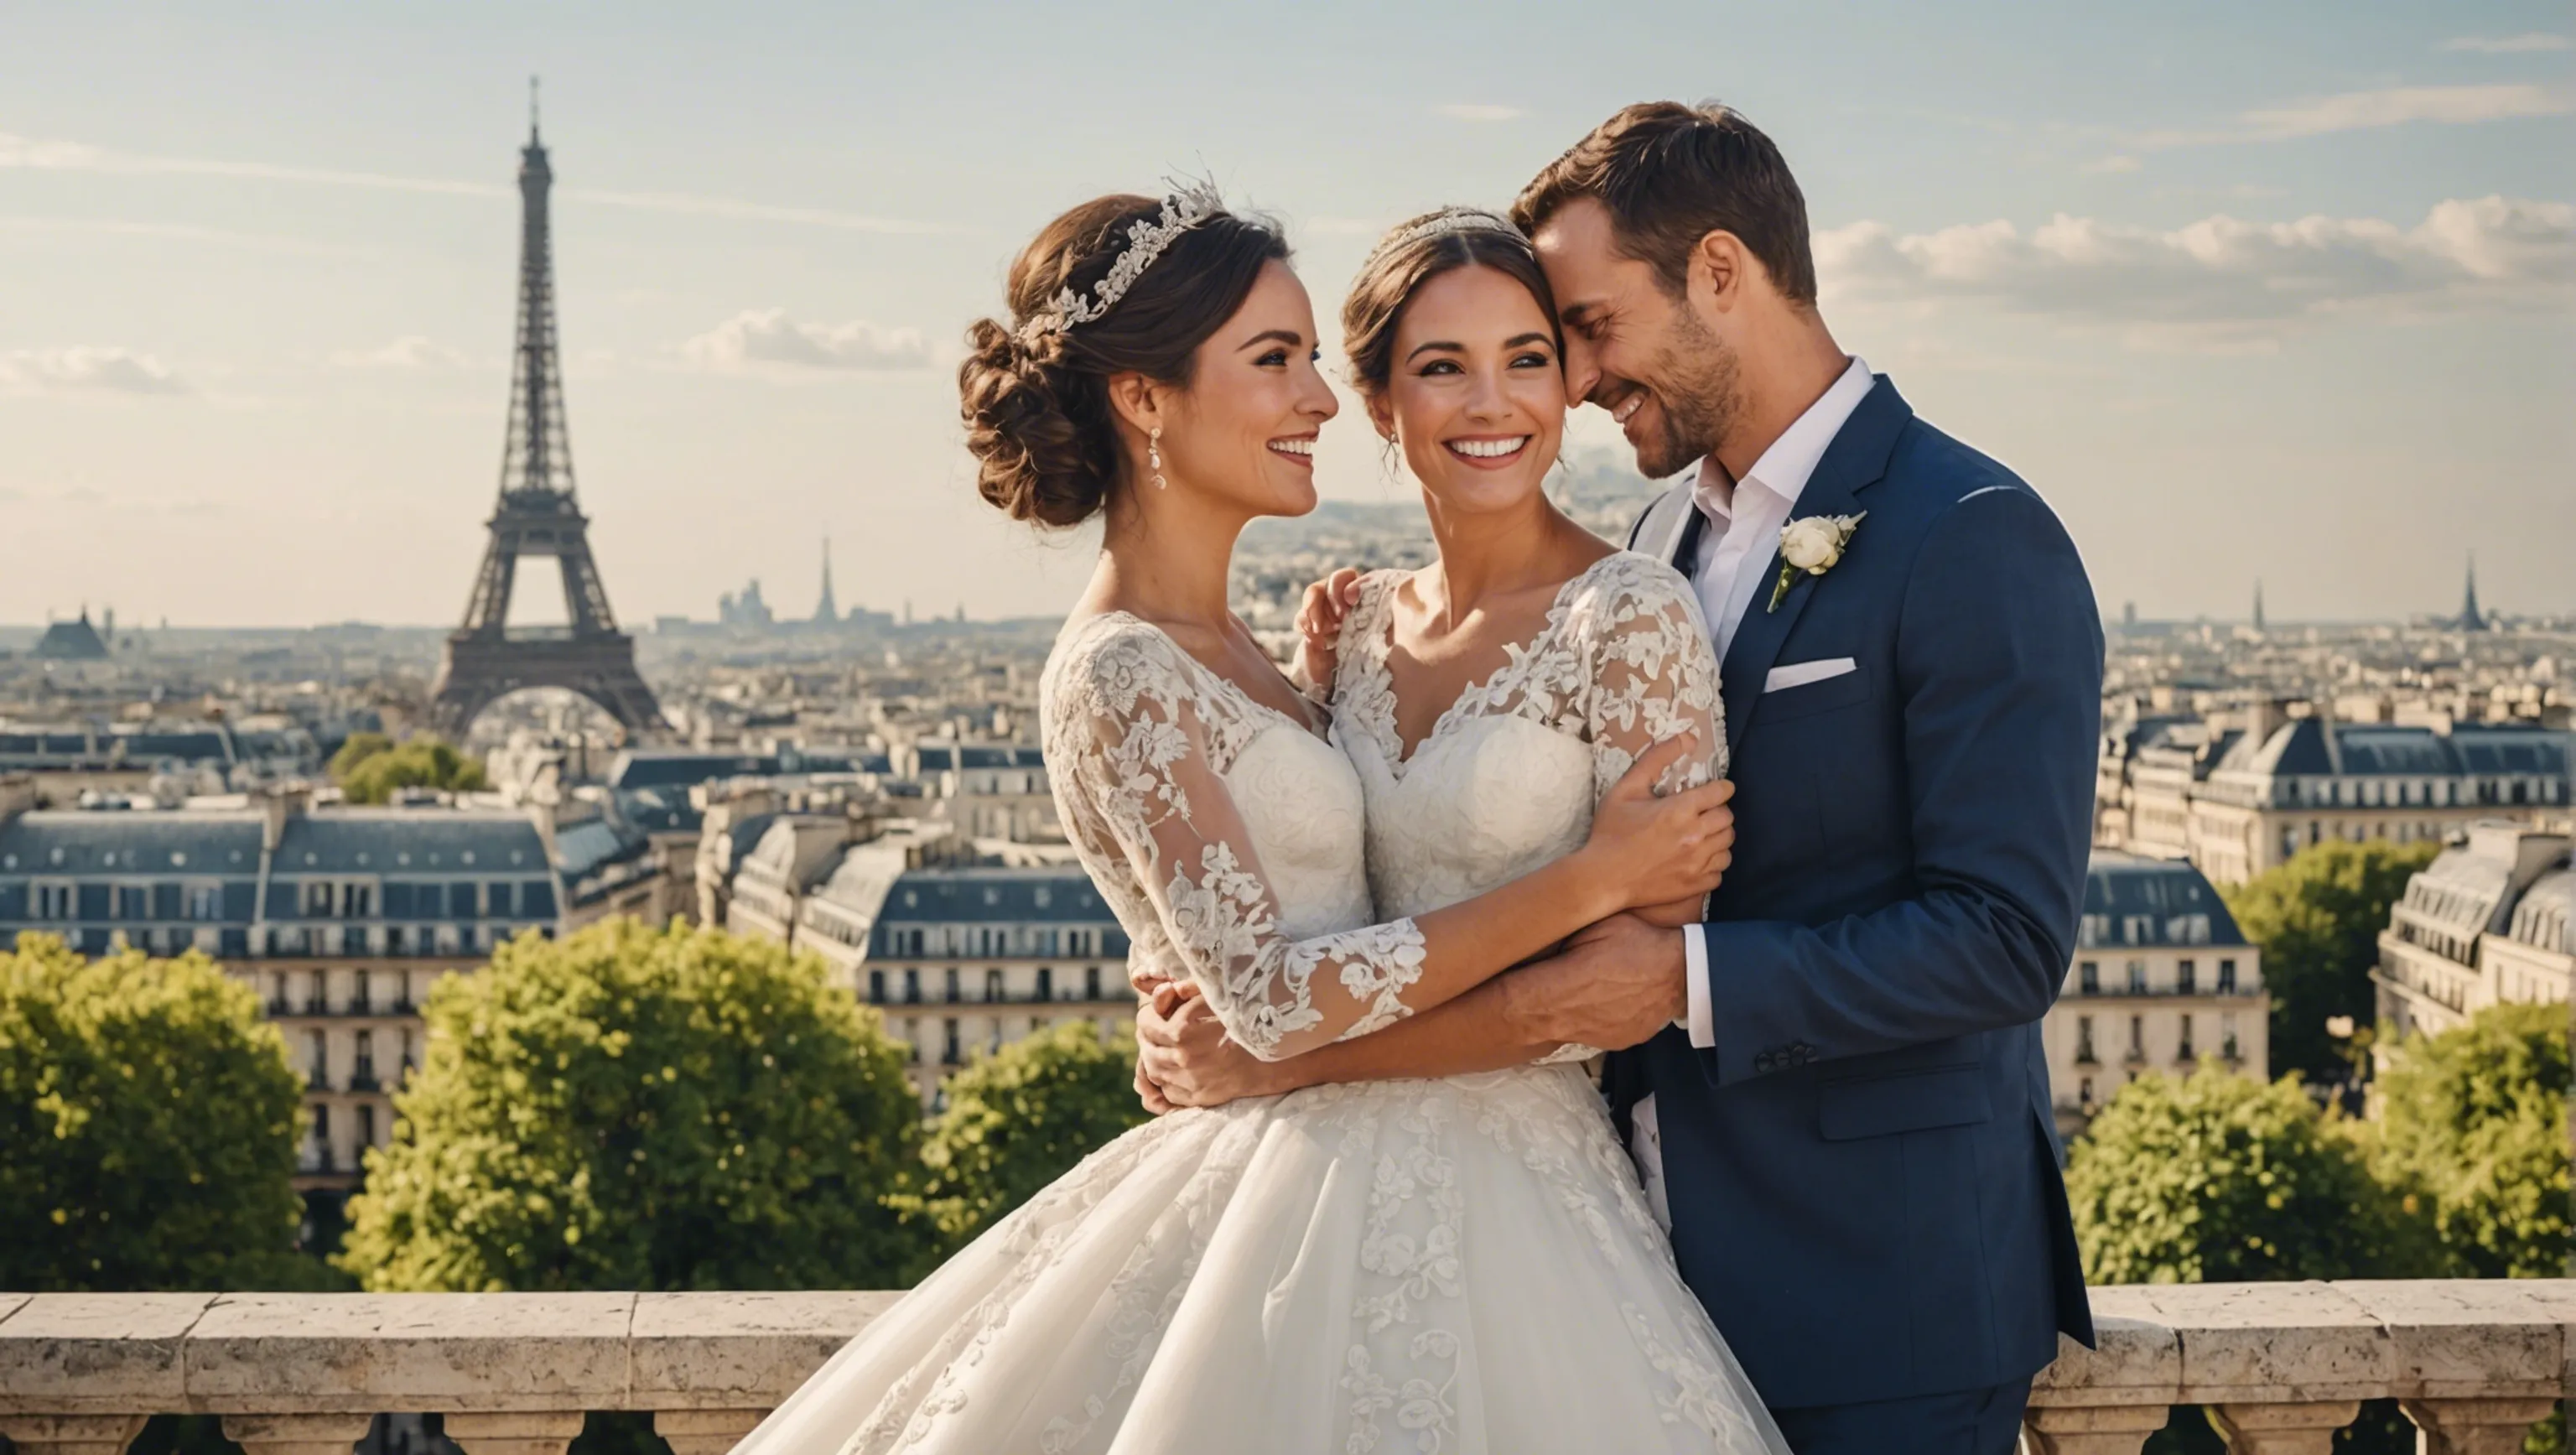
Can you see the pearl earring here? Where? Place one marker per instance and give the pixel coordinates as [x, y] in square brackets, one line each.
[1154, 457]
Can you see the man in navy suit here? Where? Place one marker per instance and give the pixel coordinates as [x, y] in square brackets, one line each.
[1834, 1089]
[1837, 1093]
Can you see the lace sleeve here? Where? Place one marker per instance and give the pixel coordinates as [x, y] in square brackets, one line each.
[1138, 736]
[1653, 677]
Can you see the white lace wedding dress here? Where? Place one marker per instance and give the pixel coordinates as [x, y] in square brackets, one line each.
[1463, 1265]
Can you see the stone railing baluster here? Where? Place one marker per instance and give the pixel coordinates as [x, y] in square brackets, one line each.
[2306, 1427]
[72, 1434]
[296, 1434]
[514, 1432]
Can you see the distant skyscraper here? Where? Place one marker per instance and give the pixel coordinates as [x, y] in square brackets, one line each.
[2258, 604]
[2472, 619]
[826, 612]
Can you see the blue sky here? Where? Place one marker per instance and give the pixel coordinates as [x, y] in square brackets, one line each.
[2279, 291]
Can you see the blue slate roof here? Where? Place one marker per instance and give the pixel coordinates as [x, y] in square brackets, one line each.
[165, 842]
[413, 842]
[639, 768]
[944, 757]
[586, 848]
[994, 895]
[2134, 901]
[2301, 749]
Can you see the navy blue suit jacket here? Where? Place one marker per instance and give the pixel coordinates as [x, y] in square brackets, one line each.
[1863, 1172]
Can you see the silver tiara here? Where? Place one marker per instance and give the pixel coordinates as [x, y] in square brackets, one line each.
[1448, 220]
[1146, 241]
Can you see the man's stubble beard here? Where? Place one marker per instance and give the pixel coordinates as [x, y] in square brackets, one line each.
[1695, 385]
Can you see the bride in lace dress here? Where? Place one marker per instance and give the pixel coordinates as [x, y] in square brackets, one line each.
[1455, 1265]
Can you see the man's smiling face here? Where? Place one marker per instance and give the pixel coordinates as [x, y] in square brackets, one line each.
[1633, 346]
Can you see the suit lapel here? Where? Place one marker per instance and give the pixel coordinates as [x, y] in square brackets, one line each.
[1851, 464]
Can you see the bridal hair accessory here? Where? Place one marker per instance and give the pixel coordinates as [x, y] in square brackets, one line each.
[1811, 547]
[1146, 241]
[1154, 456]
[1448, 220]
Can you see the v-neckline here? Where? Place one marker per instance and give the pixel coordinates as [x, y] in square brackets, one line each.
[1384, 723]
[1321, 732]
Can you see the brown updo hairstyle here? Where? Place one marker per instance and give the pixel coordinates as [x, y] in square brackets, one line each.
[1036, 403]
[1404, 262]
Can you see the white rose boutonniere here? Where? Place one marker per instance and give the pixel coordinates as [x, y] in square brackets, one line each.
[1811, 547]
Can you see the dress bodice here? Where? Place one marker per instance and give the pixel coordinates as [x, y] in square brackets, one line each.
[1507, 778]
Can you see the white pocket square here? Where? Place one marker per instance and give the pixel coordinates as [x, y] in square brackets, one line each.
[1799, 674]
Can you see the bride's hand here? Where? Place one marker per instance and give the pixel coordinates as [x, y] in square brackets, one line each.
[1319, 629]
[1183, 1050]
[1646, 850]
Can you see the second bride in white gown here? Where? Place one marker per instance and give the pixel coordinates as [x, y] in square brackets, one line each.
[1454, 1265]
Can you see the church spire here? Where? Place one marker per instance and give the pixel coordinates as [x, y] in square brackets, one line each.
[2472, 619]
[827, 611]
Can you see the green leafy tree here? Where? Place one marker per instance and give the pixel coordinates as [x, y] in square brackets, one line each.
[2317, 919]
[1017, 1120]
[150, 1120]
[420, 763]
[355, 749]
[2220, 1178]
[649, 1108]
[2477, 1117]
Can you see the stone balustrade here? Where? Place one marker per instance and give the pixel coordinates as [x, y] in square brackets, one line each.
[2283, 1365]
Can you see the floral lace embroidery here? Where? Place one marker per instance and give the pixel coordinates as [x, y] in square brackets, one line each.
[1621, 661]
[1139, 735]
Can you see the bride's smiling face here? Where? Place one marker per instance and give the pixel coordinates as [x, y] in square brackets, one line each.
[1475, 394]
[1245, 428]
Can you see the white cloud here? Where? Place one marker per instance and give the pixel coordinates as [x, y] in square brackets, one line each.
[86, 370]
[36, 154]
[2219, 281]
[1480, 111]
[2105, 166]
[411, 351]
[2510, 45]
[2371, 110]
[757, 339]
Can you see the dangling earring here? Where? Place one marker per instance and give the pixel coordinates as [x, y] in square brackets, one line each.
[1154, 457]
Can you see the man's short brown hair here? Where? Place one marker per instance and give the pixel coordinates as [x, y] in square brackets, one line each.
[1672, 174]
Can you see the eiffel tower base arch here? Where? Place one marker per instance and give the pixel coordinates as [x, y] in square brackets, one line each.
[479, 670]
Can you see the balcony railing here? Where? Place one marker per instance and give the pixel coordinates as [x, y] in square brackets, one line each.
[2281, 1365]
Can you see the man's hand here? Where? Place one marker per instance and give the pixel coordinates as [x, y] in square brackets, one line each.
[1183, 1052]
[1613, 986]
[1319, 628]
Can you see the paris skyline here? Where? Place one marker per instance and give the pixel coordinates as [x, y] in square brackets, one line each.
[2281, 296]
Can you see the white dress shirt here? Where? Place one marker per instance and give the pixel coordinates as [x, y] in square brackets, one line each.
[1735, 550]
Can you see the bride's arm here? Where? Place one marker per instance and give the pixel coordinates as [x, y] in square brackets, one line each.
[1137, 753]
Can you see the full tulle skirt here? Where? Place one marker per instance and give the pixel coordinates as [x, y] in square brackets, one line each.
[1463, 1265]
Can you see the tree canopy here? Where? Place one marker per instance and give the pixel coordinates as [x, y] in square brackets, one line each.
[150, 1121]
[2216, 1177]
[1018, 1119]
[2317, 919]
[371, 768]
[646, 1108]
[2477, 1117]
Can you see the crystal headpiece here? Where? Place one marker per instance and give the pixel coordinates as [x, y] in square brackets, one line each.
[1448, 220]
[1182, 210]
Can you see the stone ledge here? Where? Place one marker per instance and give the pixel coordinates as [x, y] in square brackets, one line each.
[728, 1354]
[2301, 1343]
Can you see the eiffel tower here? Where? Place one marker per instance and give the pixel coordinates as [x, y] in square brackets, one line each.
[538, 516]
